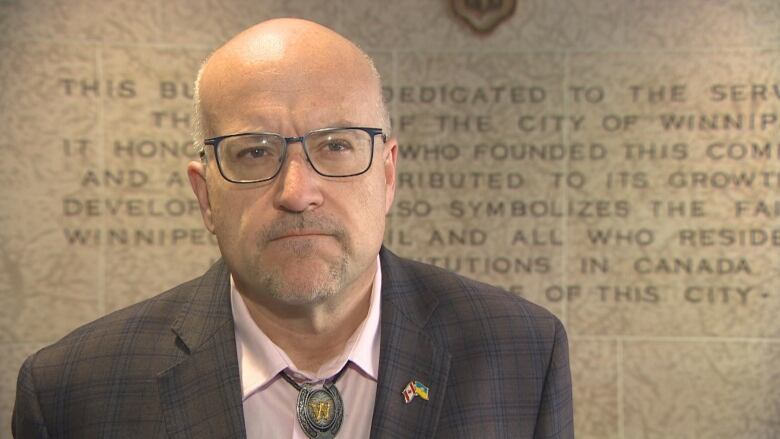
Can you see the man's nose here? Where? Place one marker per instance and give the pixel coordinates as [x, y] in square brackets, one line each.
[298, 184]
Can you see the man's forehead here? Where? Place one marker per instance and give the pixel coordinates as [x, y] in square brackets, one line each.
[293, 120]
[268, 86]
[280, 70]
[289, 70]
[286, 46]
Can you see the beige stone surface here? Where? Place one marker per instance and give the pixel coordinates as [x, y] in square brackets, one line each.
[46, 287]
[673, 24]
[87, 20]
[764, 14]
[535, 25]
[654, 354]
[158, 218]
[463, 177]
[158, 100]
[594, 366]
[701, 390]
[211, 22]
[639, 291]
[42, 110]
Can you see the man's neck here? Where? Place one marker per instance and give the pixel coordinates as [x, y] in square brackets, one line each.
[313, 334]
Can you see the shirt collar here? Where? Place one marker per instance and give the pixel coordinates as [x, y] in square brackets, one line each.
[260, 360]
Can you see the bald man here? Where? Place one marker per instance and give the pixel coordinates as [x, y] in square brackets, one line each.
[307, 327]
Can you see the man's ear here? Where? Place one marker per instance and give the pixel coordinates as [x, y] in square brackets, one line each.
[196, 171]
[390, 157]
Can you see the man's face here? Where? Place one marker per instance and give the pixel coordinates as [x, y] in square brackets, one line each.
[300, 237]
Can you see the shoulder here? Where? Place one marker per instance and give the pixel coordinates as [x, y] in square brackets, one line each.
[142, 330]
[459, 307]
[151, 314]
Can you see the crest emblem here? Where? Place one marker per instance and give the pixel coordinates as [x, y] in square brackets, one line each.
[483, 15]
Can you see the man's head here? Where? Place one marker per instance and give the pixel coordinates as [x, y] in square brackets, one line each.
[299, 237]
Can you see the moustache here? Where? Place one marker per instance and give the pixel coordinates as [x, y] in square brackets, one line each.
[296, 224]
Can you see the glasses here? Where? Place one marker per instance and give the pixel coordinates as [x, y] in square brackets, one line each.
[332, 152]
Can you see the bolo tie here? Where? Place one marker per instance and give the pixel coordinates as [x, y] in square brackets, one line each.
[320, 411]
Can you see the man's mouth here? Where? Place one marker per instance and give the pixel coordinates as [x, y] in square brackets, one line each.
[300, 234]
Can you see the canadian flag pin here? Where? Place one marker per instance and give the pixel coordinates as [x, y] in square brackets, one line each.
[415, 388]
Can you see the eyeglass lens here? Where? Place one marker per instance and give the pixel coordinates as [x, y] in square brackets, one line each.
[332, 153]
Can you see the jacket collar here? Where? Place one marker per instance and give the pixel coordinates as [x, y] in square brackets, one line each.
[407, 353]
[200, 394]
[207, 310]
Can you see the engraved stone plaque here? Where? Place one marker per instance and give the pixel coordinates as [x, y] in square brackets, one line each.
[617, 162]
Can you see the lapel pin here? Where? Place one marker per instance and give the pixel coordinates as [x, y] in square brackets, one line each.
[413, 389]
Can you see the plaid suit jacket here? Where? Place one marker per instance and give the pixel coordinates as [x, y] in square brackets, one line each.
[496, 366]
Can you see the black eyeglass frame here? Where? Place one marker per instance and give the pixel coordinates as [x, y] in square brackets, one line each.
[215, 141]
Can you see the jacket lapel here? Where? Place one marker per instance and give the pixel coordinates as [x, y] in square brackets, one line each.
[407, 353]
[201, 394]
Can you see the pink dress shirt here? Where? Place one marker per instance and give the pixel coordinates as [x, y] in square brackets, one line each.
[269, 401]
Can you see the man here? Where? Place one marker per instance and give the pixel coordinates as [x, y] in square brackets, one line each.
[307, 327]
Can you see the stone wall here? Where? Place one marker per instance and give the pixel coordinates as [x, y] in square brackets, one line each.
[617, 161]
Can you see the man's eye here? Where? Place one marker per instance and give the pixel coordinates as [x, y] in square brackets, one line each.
[253, 153]
[336, 146]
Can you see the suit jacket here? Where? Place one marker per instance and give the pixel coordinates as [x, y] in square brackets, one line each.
[496, 365]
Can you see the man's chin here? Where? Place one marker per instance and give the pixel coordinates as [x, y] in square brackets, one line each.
[302, 297]
[304, 288]
[309, 279]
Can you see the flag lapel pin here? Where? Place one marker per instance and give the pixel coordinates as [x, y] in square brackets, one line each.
[413, 389]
